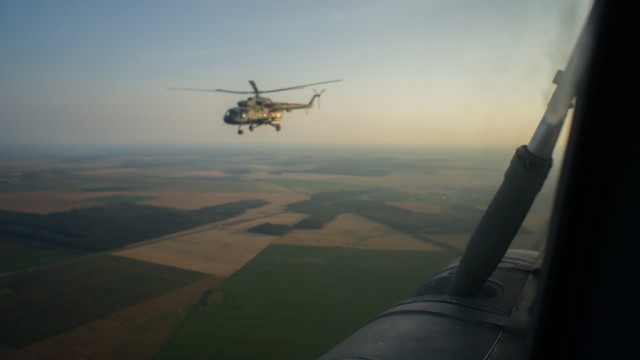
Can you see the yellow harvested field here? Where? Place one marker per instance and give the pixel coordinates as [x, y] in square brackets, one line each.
[217, 249]
[214, 252]
[417, 206]
[44, 202]
[353, 231]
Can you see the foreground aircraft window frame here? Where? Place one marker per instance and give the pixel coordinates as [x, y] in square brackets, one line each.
[578, 299]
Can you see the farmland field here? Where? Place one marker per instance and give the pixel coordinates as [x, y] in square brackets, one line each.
[293, 302]
[136, 332]
[103, 254]
[353, 231]
[19, 254]
[113, 225]
[79, 291]
[111, 199]
[312, 186]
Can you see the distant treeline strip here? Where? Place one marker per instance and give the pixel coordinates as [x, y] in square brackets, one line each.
[111, 226]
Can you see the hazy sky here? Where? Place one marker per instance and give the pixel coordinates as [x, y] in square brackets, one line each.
[415, 72]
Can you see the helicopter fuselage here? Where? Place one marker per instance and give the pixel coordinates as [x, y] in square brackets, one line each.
[242, 116]
[253, 111]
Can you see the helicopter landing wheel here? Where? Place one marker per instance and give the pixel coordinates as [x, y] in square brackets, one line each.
[240, 132]
[278, 128]
[251, 127]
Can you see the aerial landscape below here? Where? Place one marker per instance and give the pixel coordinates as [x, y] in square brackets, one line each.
[186, 252]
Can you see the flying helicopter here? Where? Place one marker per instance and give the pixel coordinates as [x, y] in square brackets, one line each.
[257, 110]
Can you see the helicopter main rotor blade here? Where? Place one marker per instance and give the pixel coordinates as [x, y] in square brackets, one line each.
[300, 86]
[255, 88]
[190, 89]
[234, 92]
[209, 90]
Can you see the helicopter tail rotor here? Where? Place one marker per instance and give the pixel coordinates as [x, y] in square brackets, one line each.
[317, 95]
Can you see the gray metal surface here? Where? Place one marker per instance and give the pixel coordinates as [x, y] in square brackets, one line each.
[433, 325]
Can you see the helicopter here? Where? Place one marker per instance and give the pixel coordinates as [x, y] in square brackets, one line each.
[257, 110]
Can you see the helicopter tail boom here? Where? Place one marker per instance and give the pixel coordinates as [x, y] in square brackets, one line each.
[315, 95]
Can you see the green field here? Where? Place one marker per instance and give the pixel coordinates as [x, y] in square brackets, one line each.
[270, 229]
[294, 302]
[48, 301]
[18, 253]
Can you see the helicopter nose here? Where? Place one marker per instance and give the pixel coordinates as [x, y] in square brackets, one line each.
[234, 116]
[229, 117]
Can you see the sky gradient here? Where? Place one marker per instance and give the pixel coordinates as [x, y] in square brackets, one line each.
[460, 72]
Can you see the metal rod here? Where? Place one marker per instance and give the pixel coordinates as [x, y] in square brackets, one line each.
[522, 182]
